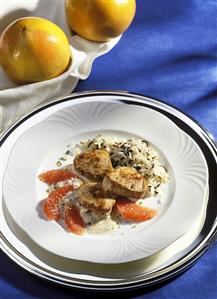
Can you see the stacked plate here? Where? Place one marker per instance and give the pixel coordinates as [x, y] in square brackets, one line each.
[185, 226]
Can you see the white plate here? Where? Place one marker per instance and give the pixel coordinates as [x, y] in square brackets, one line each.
[72, 271]
[42, 138]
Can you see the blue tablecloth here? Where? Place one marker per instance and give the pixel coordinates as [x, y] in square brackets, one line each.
[170, 53]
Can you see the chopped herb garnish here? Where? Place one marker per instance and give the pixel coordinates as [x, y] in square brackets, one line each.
[62, 159]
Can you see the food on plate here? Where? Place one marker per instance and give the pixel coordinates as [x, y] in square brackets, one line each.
[93, 164]
[52, 202]
[33, 49]
[56, 175]
[138, 154]
[125, 181]
[111, 180]
[92, 196]
[74, 221]
[99, 20]
[133, 212]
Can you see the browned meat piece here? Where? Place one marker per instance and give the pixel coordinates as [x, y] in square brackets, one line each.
[93, 164]
[125, 181]
[92, 196]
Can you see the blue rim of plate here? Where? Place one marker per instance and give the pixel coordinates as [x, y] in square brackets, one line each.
[208, 233]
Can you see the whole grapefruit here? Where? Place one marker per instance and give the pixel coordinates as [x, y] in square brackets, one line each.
[99, 20]
[33, 49]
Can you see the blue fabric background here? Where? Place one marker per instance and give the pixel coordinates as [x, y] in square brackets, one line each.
[170, 53]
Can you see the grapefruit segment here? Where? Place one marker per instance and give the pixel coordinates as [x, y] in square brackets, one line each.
[132, 212]
[51, 203]
[73, 220]
[56, 175]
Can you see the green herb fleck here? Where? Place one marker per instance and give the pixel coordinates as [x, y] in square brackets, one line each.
[62, 159]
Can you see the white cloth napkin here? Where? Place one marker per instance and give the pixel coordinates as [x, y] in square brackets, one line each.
[15, 101]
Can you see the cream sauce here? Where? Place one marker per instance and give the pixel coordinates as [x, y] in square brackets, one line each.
[104, 226]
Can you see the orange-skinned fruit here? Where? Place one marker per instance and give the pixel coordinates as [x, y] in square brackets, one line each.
[99, 20]
[33, 49]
